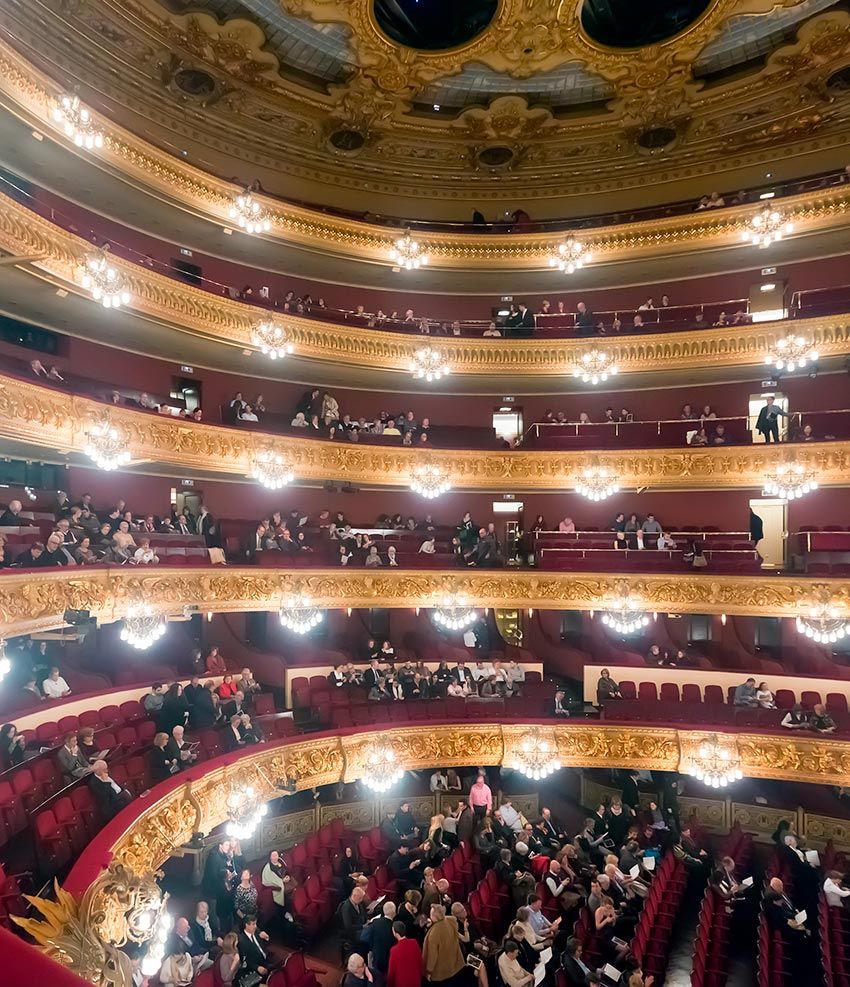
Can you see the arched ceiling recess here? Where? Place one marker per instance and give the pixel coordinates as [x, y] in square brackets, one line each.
[292, 92]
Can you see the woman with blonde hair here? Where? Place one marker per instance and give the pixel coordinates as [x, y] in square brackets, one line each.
[436, 839]
[230, 960]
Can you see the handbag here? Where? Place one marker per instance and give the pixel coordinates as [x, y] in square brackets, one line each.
[249, 979]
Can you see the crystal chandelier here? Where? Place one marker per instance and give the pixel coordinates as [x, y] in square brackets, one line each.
[429, 364]
[453, 613]
[271, 340]
[152, 962]
[429, 481]
[570, 256]
[408, 253]
[77, 123]
[824, 624]
[596, 484]
[105, 282]
[299, 615]
[766, 227]
[595, 367]
[271, 470]
[245, 811]
[381, 770]
[790, 481]
[624, 617]
[791, 353]
[5, 663]
[143, 626]
[716, 764]
[249, 213]
[106, 446]
[536, 758]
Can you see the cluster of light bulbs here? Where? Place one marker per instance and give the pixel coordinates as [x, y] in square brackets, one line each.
[143, 626]
[429, 481]
[272, 471]
[715, 766]
[595, 367]
[792, 352]
[766, 227]
[106, 446]
[76, 120]
[272, 340]
[105, 282]
[790, 481]
[298, 614]
[624, 617]
[428, 364]
[246, 812]
[536, 759]
[596, 483]
[454, 614]
[382, 769]
[408, 254]
[249, 214]
[570, 256]
[150, 965]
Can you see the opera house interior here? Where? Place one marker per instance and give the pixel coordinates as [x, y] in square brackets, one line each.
[447, 581]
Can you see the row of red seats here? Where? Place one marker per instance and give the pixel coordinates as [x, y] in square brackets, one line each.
[462, 869]
[735, 562]
[413, 711]
[12, 901]
[491, 906]
[651, 940]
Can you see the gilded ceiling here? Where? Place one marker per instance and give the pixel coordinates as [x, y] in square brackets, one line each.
[531, 108]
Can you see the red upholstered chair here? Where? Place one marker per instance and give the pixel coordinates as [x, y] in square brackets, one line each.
[131, 710]
[51, 842]
[47, 733]
[145, 732]
[836, 702]
[68, 724]
[110, 716]
[628, 690]
[296, 973]
[12, 810]
[307, 913]
[785, 698]
[809, 698]
[647, 692]
[83, 802]
[90, 718]
[669, 692]
[71, 822]
[691, 693]
[713, 695]
[264, 704]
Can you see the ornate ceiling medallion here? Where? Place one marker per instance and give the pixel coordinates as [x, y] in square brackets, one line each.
[77, 123]
[791, 352]
[272, 340]
[790, 481]
[105, 282]
[570, 256]
[767, 226]
[249, 214]
[595, 367]
[408, 254]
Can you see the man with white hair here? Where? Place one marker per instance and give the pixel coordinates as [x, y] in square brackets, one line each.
[183, 935]
[178, 749]
[108, 795]
[9, 518]
[378, 936]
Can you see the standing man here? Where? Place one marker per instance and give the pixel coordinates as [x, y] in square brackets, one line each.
[768, 419]
[480, 797]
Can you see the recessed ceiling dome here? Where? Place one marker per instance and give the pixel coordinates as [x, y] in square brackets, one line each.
[629, 24]
[434, 25]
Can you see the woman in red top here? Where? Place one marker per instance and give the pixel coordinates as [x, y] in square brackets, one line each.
[227, 689]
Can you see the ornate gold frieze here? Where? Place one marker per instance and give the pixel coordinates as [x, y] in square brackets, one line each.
[32, 601]
[648, 87]
[36, 414]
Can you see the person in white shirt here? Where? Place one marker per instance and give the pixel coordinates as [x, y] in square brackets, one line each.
[439, 781]
[481, 671]
[510, 817]
[144, 554]
[247, 414]
[428, 547]
[834, 890]
[665, 542]
[54, 686]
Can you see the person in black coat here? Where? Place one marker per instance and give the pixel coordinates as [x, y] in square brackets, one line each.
[574, 967]
[353, 916]
[199, 925]
[161, 765]
[378, 935]
[174, 710]
[253, 948]
[109, 796]
[630, 793]
[203, 711]
[220, 878]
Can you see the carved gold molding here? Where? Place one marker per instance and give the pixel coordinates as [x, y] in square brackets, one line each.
[32, 93]
[35, 414]
[62, 255]
[36, 601]
[199, 805]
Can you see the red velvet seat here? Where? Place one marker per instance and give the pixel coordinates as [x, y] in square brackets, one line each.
[67, 724]
[628, 690]
[264, 704]
[669, 692]
[810, 698]
[836, 702]
[51, 842]
[131, 710]
[296, 973]
[647, 692]
[47, 733]
[691, 693]
[90, 718]
[71, 823]
[785, 698]
[110, 716]
[713, 695]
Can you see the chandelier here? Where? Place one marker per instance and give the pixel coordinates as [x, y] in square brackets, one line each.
[408, 253]
[536, 758]
[5, 663]
[271, 470]
[791, 353]
[595, 367]
[245, 810]
[106, 446]
[824, 624]
[429, 481]
[77, 123]
[766, 227]
[715, 764]
[381, 770]
[570, 256]
[143, 626]
[624, 617]
[429, 364]
[790, 481]
[105, 282]
[152, 962]
[249, 213]
[299, 615]
[453, 613]
[596, 484]
[271, 340]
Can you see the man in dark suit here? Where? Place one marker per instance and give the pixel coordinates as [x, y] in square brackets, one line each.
[185, 525]
[220, 875]
[378, 935]
[630, 793]
[353, 916]
[372, 674]
[233, 738]
[253, 948]
[575, 969]
[30, 556]
[109, 796]
[465, 822]
[558, 706]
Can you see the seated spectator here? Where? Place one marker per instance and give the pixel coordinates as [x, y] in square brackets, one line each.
[162, 766]
[179, 749]
[764, 697]
[54, 686]
[154, 699]
[665, 542]
[745, 694]
[807, 435]
[719, 438]
[83, 554]
[29, 558]
[699, 438]
[606, 688]
[559, 705]
[373, 559]
[72, 763]
[12, 746]
[233, 738]
[510, 971]
[247, 684]
[834, 890]
[108, 795]
[144, 554]
[428, 547]
[566, 526]
[820, 721]
[215, 663]
[123, 544]
[796, 718]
